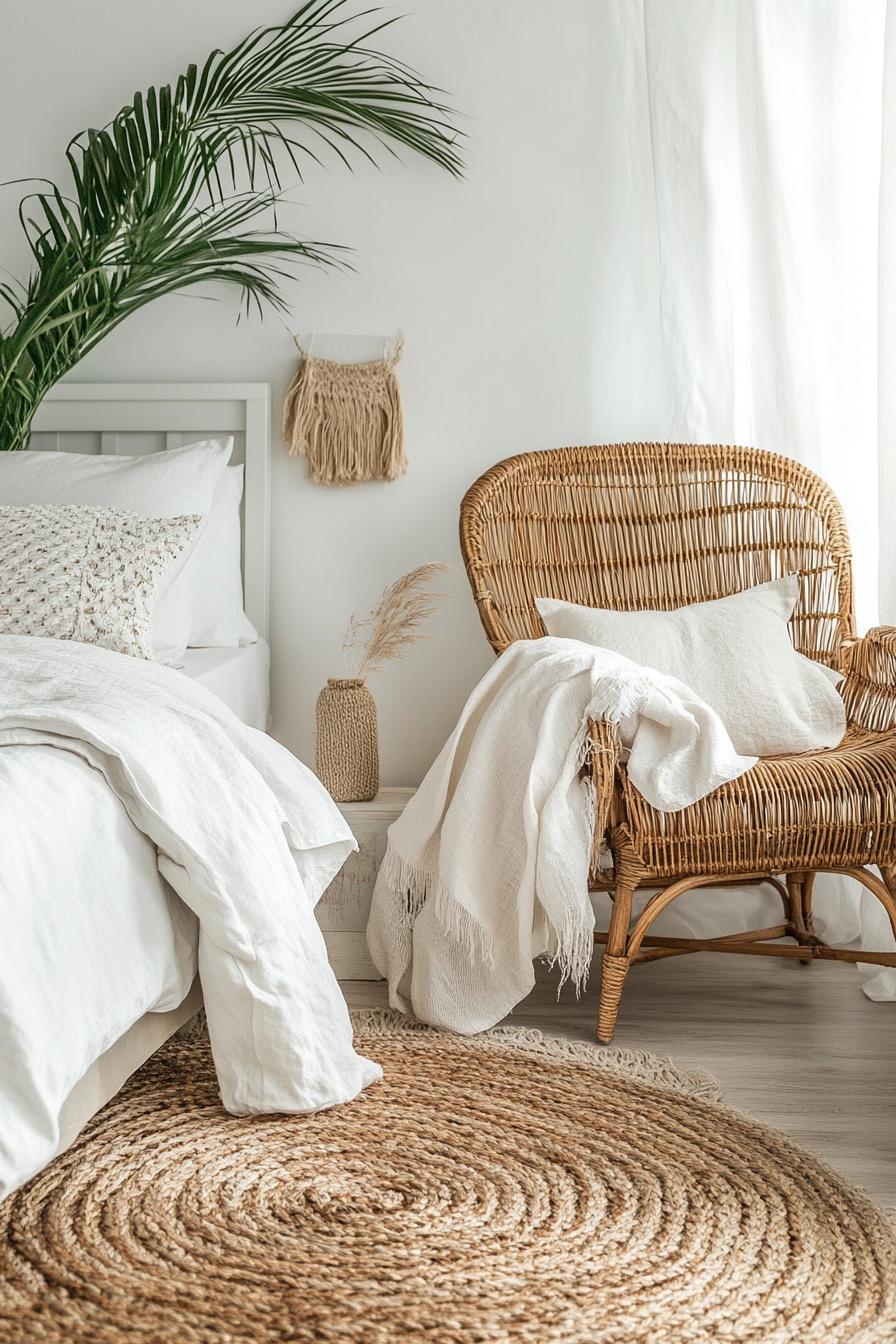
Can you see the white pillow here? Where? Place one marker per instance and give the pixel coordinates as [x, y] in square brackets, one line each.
[157, 485]
[218, 619]
[735, 653]
[92, 575]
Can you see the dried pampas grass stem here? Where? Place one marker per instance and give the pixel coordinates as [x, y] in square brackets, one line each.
[395, 623]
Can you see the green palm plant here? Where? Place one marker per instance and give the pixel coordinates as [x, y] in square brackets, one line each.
[162, 198]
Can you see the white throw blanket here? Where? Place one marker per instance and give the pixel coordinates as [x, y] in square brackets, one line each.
[246, 835]
[487, 868]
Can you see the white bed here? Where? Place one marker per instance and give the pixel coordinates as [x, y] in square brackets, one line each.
[116, 772]
[133, 980]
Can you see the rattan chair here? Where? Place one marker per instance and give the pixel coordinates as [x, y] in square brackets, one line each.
[658, 526]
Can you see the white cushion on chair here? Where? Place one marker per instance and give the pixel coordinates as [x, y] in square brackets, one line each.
[735, 653]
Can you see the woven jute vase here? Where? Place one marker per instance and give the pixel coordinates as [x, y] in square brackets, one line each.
[347, 756]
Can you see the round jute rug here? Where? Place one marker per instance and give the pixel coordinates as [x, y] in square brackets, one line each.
[504, 1188]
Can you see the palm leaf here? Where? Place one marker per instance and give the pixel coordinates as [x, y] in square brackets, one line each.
[161, 197]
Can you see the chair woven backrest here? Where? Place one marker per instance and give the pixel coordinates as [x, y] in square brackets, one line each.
[653, 526]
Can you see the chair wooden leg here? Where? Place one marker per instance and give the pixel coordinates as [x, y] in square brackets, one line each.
[798, 909]
[615, 963]
[808, 885]
[614, 969]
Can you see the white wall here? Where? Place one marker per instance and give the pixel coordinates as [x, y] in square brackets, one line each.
[519, 324]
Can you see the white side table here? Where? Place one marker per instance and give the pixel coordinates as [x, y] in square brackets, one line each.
[343, 909]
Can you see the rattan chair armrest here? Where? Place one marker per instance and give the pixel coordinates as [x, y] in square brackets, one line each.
[869, 686]
[605, 751]
[603, 762]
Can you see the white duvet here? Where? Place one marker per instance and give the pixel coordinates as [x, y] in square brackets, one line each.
[245, 834]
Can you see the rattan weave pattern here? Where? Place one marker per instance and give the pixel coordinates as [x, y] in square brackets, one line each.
[826, 809]
[649, 526]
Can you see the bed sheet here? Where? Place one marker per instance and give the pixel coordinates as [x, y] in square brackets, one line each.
[240, 677]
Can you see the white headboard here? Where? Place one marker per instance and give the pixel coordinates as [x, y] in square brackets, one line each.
[133, 418]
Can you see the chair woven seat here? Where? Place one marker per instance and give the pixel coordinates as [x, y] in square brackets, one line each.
[823, 809]
[653, 526]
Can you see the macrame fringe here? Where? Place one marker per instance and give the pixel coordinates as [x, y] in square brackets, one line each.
[346, 419]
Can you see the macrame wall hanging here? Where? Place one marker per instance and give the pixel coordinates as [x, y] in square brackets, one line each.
[346, 418]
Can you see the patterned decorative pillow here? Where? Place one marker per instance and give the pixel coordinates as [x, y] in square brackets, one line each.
[88, 574]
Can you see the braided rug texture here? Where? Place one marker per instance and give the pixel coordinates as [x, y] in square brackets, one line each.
[499, 1188]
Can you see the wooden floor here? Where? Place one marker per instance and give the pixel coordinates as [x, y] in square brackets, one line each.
[797, 1047]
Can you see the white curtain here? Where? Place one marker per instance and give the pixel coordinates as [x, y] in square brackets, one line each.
[751, 232]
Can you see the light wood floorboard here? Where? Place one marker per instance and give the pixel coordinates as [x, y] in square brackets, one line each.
[797, 1047]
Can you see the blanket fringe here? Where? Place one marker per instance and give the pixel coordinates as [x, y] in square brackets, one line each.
[412, 885]
[415, 885]
[572, 955]
[574, 937]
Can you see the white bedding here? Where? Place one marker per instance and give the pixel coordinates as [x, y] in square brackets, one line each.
[102, 759]
[240, 677]
[136, 942]
[88, 946]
